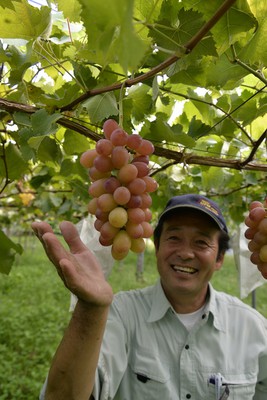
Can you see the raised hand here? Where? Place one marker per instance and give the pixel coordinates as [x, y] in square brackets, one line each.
[77, 267]
[257, 235]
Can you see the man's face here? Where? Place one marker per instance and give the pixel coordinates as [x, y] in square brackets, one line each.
[187, 253]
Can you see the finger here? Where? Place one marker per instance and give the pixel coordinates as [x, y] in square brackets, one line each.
[40, 228]
[72, 237]
[54, 248]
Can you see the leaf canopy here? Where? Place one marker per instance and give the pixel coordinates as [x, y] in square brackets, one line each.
[189, 76]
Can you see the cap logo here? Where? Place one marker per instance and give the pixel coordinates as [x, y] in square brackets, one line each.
[208, 206]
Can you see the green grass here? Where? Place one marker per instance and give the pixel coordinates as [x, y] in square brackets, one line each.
[34, 309]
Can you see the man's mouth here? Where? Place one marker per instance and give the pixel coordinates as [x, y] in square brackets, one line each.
[186, 270]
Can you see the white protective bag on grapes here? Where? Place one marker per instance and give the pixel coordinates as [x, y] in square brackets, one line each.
[249, 276]
[90, 237]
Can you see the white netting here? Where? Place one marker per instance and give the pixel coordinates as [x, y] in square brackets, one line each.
[89, 235]
[249, 276]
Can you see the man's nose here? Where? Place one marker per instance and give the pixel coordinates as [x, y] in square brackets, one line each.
[185, 251]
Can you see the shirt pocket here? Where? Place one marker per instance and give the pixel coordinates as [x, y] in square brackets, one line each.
[241, 386]
[150, 377]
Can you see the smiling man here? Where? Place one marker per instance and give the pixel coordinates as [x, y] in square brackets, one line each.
[179, 339]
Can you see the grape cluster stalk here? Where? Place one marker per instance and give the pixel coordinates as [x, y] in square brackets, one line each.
[257, 232]
[120, 189]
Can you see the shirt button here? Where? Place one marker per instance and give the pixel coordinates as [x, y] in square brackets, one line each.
[188, 396]
[187, 346]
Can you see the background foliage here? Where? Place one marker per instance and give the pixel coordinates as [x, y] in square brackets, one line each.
[188, 75]
[34, 311]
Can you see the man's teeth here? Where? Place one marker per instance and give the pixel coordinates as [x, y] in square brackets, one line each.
[188, 270]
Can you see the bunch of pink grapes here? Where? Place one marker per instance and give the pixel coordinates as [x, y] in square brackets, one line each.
[257, 233]
[119, 171]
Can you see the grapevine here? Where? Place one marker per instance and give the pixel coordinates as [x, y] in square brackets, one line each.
[120, 189]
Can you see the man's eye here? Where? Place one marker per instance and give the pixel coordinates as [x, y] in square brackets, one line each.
[202, 243]
[173, 238]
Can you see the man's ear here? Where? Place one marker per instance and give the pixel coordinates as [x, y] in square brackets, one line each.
[219, 261]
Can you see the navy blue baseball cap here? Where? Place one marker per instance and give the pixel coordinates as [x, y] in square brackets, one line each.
[197, 202]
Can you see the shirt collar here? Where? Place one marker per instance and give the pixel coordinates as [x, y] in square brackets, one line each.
[160, 305]
[216, 308]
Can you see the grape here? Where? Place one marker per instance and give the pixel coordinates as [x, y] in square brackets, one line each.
[260, 238]
[138, 245]
[87, 158]
[97, 188]
[105, 241]
[111, 184]
[136, 215]
[101, 215]
[134, 141]
[104, 147]
[109, 126]
[108, 231]
[146, 148]
[118, 256]
[263, 253]
[255, 258]
[146, 200]
[253, 246]
[95, 174]
[255, 204]
[119, 157]
[119, 137]
[122, 242]
[142, 168]
[263, 225]
[103, 163]
[134, 202]
[148, 230]
[135, 231]
[92, 206]
[137, 186]
[148, 214]
[138, 158]
[127, 173]
[118, 217]
[106, 202]
[122, 195]
[98, 224]
[151, 184]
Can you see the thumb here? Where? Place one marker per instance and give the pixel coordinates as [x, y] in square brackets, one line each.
[72, 237]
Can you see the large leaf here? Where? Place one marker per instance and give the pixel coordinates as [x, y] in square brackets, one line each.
[111, 32]
[12, 165]
[101, 107]
[8, 250]
[24, 21]
[255, 50]
[71, 9]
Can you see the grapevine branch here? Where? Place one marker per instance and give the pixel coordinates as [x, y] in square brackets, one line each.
[176, 156]
[3, 157]
[187, 48]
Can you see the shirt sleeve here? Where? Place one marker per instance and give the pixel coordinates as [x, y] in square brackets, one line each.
[113, 359]
[261, 387]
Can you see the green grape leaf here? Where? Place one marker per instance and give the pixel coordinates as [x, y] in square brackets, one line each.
[44, 123]
[71, 9]
[101, 106]
[24, 21]
[12, 165]
[8, 251]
